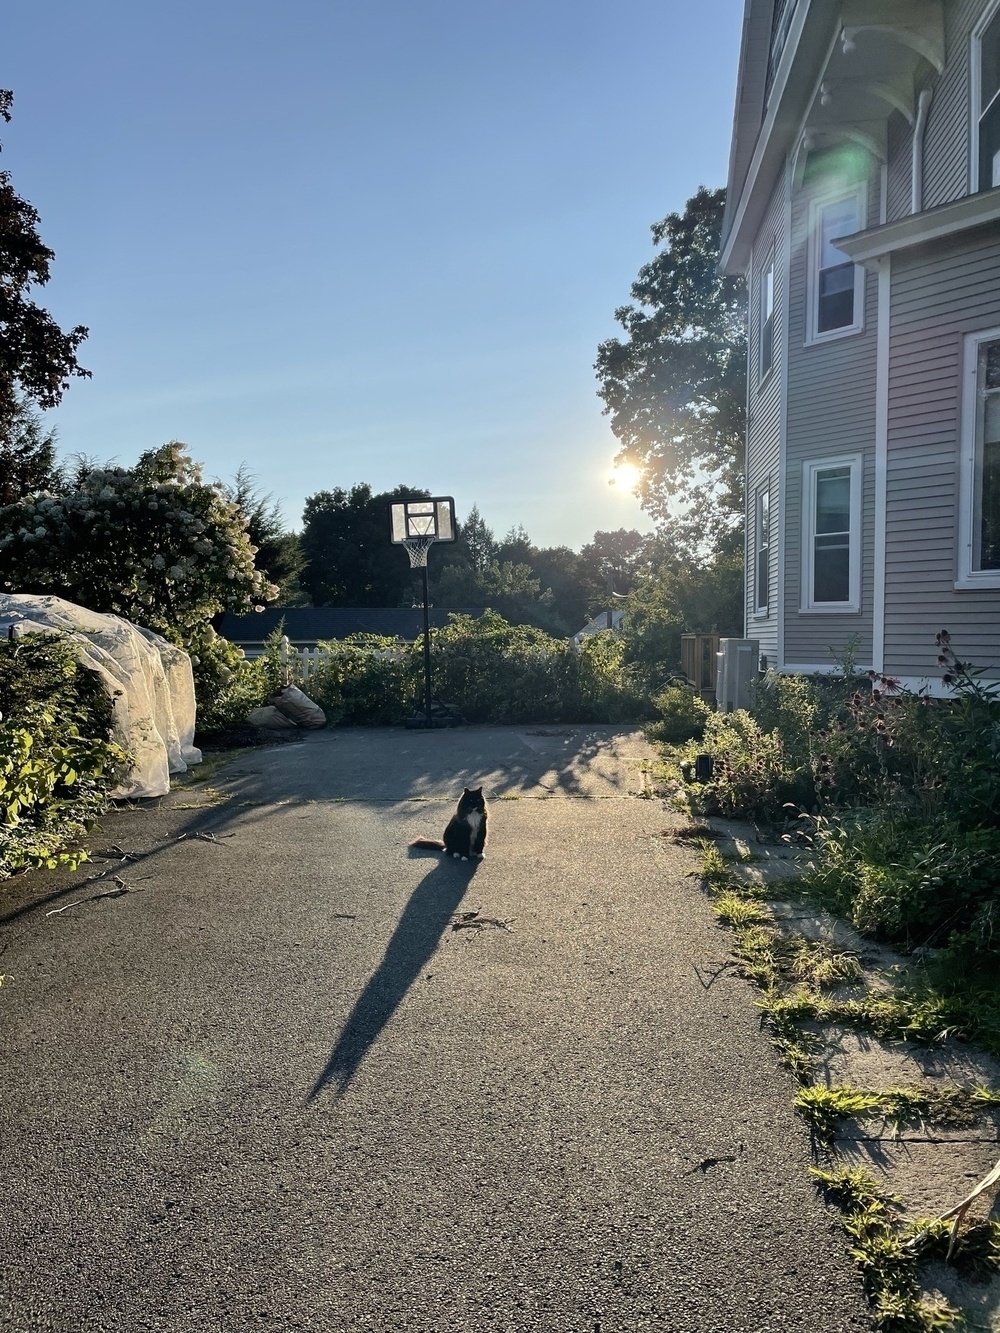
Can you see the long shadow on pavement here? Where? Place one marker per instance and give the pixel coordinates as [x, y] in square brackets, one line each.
[425, 919]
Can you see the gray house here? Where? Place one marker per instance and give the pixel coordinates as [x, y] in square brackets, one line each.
[864, 210]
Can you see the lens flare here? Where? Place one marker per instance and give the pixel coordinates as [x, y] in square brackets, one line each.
[625, 478]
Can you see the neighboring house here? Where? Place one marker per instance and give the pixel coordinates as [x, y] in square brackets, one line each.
[306, 626]
[603, 620]
[863, 208]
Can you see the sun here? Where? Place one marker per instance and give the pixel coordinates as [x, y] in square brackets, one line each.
[625, 478]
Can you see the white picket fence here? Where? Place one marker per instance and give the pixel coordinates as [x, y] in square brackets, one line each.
[300, 664]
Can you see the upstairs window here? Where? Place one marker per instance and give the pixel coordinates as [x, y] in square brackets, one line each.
[980, 474]
[831, 547]
[986, 111]
[836, 286]
[767, 319]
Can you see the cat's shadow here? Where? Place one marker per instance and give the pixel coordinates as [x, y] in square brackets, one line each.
[425, 919]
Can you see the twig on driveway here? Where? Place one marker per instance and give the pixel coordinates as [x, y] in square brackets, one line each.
[713, 977]
[121, 887]
[473, 921]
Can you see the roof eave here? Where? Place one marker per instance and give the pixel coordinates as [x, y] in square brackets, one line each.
[933, 224]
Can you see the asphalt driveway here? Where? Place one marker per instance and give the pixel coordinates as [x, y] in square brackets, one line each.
[301, 1076]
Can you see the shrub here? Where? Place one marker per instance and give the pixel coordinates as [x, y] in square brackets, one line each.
[487, 669]
[683, 715]
[365, 680]
[226, 685]
[154, 544]
[754, 775]
[906, 878]
[57, 762]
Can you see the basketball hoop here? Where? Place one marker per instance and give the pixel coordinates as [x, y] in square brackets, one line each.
[417, 524]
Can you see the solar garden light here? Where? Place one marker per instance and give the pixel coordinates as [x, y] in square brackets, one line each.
[416, 524]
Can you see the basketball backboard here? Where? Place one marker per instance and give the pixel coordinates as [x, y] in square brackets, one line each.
[430, 519]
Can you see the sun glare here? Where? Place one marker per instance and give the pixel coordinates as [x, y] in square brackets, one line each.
[625, 477]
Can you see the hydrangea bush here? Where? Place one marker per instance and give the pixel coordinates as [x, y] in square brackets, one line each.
[153, 543]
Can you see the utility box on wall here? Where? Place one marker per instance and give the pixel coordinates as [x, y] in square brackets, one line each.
[739, 664]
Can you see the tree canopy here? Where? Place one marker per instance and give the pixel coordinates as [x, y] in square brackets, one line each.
[345, 541]
[279, 552]
[37, 359]
[675, 385]
[27, 455]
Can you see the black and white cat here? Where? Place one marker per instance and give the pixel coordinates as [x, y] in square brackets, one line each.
[465, 835]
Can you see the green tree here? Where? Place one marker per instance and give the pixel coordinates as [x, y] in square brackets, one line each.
[675, 385]
[349, 558]
[37, 359]
[516, 546]
[612, 563]
[679, 598]
[477, 539]
[279, 552]
[558, 570]
[27, 456]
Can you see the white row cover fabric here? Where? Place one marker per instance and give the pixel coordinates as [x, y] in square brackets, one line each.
[150, 681]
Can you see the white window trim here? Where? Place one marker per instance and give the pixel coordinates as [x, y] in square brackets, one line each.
[967, 576]
[976, 91]
[809, 470]
[769, 267]
[813, 336]
[762, 612]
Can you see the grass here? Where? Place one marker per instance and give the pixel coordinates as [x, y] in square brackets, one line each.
[793, 973]
[739, 912]
[885, 1251]
[826, 1109]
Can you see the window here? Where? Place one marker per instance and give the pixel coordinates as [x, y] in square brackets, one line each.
[766, 317]
[762, 562]
[836, 286]
[986, 104]
[831, 549]
[979, 561]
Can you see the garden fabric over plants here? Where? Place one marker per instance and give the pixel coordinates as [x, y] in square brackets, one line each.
[149, 680]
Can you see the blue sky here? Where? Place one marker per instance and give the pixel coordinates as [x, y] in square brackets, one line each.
[373, 241]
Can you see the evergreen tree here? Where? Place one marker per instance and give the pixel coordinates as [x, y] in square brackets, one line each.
[27, 455]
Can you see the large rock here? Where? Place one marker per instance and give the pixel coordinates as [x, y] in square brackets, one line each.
[149, 680]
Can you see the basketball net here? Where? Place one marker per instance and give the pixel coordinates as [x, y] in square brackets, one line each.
[416, 549]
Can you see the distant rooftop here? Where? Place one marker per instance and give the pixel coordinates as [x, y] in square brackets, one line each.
[308, 625]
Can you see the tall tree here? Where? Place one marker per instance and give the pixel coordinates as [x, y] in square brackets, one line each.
[675, 385]
[612, 563]
[27, 456]
[349, 558]
[37, 358]
[279, 555]
[478, 540]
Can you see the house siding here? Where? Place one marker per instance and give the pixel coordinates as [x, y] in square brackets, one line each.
[831, 412]
[764, 418]
[946, 142]
[939, 294]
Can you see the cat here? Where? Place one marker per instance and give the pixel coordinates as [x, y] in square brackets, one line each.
[465, 835]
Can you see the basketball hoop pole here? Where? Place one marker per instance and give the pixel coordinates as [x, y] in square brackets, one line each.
[416, 523]
[427, 650]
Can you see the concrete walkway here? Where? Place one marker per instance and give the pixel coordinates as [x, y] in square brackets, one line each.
[300, 1076]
